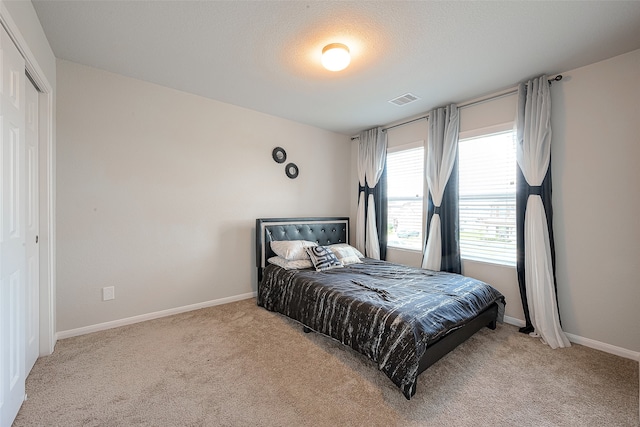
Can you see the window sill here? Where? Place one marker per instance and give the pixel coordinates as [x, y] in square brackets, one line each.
[397, 248]
[495, 263]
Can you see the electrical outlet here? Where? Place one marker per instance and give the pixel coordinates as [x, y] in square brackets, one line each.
[108, 293]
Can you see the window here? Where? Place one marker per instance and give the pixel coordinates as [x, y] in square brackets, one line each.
[405, 183]
[487, 167]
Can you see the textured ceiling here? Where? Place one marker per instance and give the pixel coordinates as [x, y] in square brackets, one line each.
[265, 55]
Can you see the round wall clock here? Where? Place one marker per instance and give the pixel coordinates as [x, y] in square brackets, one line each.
[292, 170]
[279, 155]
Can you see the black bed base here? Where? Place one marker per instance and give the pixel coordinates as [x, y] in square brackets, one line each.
[450, 341]
[438, 349]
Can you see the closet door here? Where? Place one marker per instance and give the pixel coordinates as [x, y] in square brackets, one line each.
[32, 285]
[12, 230]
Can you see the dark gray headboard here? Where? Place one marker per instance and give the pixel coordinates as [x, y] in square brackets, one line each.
[323, 230]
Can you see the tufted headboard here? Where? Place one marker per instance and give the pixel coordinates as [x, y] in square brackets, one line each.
[324, 231]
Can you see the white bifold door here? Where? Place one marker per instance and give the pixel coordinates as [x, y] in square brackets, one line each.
[13, 230]
[32, 284]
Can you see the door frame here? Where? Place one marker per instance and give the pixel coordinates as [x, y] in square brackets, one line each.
[47, 185]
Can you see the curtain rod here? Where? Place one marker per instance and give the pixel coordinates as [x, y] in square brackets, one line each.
[404, 123]
[399, 124]
[502, 94]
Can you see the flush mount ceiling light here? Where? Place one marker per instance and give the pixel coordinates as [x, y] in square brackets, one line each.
[335, 57]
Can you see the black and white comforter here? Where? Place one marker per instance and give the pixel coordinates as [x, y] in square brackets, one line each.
[387, 312]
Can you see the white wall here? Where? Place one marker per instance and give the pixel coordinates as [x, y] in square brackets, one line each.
[596, 184]
[158, 192]
[595, 152]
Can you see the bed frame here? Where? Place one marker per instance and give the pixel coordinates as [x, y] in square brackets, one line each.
[331, 230]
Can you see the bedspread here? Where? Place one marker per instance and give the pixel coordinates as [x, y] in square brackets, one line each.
[387, 312]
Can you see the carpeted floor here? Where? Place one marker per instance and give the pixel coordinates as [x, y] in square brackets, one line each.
[240, 365]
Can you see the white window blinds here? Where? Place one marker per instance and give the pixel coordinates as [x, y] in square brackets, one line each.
[405, 182]
[487, 191]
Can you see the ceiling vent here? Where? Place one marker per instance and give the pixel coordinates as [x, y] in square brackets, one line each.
[404, 99]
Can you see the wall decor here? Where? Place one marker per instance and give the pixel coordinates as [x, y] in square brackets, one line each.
[291, 170]
[279, 155]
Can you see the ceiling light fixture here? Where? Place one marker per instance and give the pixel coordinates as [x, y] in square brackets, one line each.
[335, 57]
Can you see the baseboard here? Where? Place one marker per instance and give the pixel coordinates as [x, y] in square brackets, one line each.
[587, 342]
[607, 348]
[513, 321]
[149, 316]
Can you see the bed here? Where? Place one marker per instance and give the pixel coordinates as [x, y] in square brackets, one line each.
[404, 319]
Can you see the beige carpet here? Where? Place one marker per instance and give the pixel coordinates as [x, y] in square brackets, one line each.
[240, 365]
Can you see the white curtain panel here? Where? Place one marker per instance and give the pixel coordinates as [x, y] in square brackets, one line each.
[372, 154]
[360, 215]
[375, 168]
[372, 243]
[442, 145]
[533, 154]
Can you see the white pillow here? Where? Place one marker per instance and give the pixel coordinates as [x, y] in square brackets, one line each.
[291, 265]
[292, 250]
[346, 254]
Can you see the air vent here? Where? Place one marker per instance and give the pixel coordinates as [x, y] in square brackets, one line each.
[404, 99]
